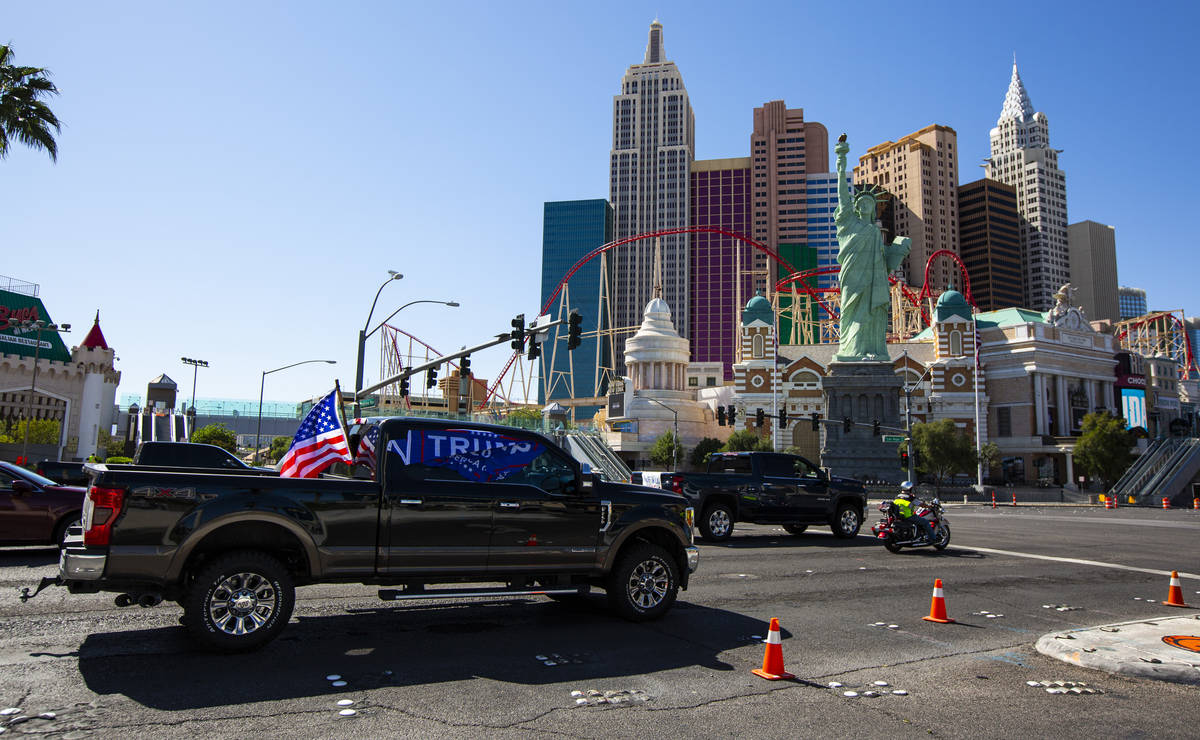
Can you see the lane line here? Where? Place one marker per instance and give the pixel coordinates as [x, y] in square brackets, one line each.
[1078, 520]
[1078, 561]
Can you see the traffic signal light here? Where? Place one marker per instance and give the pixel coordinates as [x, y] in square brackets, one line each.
[403, 387]
[847, 424]
[816, 422]
[518, 332]
[431, 377]
[783, 418]
[731, 414]
[904, 458]
[759, 417]
[535, 349]
[721, 416]
[464, 366]
[573, 329]
[875, 427]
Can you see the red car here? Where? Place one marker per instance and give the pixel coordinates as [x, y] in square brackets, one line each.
[35, 510]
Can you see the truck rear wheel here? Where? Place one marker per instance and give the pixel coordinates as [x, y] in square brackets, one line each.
[644, 583]
[239, 602]
[716, 524]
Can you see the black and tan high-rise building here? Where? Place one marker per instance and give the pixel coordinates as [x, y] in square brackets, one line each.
[1093, 249]
[990, 240]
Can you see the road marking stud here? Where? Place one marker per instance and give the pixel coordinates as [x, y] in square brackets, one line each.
[881, 683]
[850, 693]
[347, 712]
[900, 692]
[338, 684]
[345, 702]
[332, 677]
[835, 684]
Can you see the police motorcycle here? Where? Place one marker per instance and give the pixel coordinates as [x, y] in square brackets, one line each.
[896, 533]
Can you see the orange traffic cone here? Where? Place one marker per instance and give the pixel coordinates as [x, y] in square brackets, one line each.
[937, 608]
[1175, 593]
[772, 669]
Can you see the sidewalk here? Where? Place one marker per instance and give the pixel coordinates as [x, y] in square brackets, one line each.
[1167, 649]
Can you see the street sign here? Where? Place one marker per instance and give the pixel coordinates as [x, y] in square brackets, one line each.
[890, 438]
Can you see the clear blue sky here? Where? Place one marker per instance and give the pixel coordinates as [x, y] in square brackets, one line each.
[234, 179]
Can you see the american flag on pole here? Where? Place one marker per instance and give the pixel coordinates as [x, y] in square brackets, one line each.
[320, 442]
[366, 447]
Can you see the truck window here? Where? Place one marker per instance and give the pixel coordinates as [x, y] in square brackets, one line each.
[732, 464]
[778, 466]
[461, 454]
[804, 469]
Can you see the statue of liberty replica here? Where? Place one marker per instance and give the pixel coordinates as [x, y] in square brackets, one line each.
[860, 384]
[866, 263]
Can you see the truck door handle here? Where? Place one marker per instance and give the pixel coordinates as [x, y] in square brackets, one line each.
[509, 505]
[411, 502]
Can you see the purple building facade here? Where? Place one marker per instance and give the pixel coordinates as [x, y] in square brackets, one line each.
[719, 266]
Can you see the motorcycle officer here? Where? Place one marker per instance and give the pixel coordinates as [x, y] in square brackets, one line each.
[905, 511]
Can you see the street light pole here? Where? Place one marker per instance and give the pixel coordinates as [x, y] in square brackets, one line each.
[196, 365]
[908, 389]
[39, 326]
[261, 387]
[676, 446]
[364, 335]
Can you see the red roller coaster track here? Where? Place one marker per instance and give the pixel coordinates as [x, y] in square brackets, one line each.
[793, 276]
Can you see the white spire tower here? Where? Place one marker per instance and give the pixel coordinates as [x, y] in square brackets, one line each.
[1022, 157]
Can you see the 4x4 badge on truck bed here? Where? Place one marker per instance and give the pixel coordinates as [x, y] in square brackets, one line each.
[156, 492]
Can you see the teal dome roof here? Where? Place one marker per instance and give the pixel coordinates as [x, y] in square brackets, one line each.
[758, 308]
[951, 303]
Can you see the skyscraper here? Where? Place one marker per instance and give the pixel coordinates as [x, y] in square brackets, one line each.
[920, 171]
[571, 229]
[720, 277]
[1131, 302]
[1021, 156]
[652, 152]
[1093, 250]
[990, 238]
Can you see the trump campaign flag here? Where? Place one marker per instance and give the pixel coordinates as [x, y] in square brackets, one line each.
[320, 442]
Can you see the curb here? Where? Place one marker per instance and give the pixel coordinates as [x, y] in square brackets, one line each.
[1130, 648]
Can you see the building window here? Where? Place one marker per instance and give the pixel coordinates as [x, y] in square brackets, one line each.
[710, 382]
[1004, 422]
[693, 382]
[757, 345]
[955, 343]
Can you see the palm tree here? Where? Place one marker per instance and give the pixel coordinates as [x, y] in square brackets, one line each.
[23, 116]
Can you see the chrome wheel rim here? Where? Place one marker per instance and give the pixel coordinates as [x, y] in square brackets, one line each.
[242, 603]
[648, 583]
[718, 522]
[849, 520]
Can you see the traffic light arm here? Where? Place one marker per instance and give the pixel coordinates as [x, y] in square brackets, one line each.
[415, 369]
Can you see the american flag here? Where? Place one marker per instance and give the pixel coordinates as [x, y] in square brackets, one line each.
[320, 442]
[366, 447]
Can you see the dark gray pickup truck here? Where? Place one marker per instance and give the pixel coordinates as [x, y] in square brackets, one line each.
[769, 488]
[436, 502]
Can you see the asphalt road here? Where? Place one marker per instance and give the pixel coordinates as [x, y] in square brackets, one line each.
[471, 669]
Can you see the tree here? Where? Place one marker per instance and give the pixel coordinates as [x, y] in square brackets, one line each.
[23, 115]
[216, 434]
[989, 455]
[746, 441]
[1104, 449]
[279, 447]
[41, 431]
[666, 452]
[943, 449]
[699, 454]
[528, 417]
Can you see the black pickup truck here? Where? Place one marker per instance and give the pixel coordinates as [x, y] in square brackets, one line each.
[436, 502]
[769, 488]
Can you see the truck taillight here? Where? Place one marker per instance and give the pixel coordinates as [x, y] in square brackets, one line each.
[100, 509]
[675, 485]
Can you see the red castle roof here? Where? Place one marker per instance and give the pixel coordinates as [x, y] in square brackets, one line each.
[95, 337]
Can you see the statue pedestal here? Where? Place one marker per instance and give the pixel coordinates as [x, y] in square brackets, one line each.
[866, 392]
